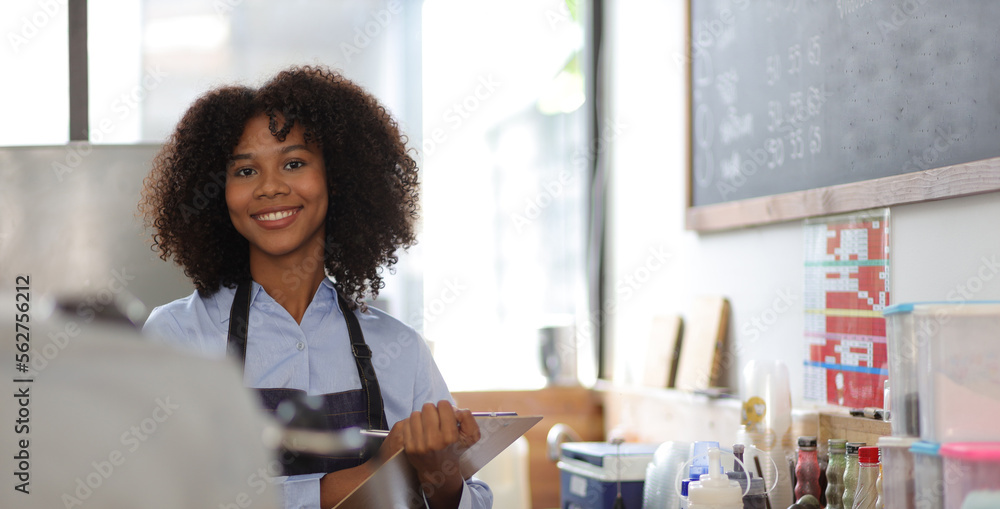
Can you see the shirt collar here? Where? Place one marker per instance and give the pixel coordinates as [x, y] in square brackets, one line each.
[326, 292]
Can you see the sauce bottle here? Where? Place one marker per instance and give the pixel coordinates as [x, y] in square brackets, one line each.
[866, 495]
[807, 469]
[851, 473]
[714, 490]
[835, 473]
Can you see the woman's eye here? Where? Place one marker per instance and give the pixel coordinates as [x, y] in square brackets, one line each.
[292, 165]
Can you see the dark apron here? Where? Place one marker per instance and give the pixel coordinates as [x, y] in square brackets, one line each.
[362, 408]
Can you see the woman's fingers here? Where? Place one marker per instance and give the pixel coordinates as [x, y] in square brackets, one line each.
[448, 422]
[467, 426]
[415, 440]
[437, 427]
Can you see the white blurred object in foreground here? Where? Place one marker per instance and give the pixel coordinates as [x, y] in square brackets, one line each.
[110, 420]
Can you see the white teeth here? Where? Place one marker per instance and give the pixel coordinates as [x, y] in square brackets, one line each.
[274, 216]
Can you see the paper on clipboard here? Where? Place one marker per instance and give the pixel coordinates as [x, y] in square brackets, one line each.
[395, 484]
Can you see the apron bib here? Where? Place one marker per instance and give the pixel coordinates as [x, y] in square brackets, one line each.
[361, 408]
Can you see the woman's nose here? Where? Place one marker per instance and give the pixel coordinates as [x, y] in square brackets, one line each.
[271, 184]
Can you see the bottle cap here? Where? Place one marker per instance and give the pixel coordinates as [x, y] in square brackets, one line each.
[852, 447]
[837, 444]
[715, 488]
[807, 442]
[868, 455]
[700, 464]
[738, 452]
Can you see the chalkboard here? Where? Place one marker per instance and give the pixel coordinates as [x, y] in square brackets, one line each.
[807, 99]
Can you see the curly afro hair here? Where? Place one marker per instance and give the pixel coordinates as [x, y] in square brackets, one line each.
[371, 180]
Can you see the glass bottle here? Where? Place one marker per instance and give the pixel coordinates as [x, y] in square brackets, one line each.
[807, 469]
[868, 466]
[851, 473]
[835, 473]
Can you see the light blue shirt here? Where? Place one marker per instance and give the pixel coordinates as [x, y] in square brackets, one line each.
[314, 357]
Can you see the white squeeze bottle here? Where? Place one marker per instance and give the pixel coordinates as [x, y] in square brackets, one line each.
[714, 490]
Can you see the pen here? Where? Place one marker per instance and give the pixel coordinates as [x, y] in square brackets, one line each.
[381, 433]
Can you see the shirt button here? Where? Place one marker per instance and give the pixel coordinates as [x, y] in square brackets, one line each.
[300, 345]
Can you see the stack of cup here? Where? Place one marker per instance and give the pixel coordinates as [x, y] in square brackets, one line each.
[767, 425]
[659, 490]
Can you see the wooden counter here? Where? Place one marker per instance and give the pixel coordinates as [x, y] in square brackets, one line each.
[577, 407]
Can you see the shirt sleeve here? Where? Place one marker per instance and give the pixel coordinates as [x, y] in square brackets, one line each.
[190, 333]
[475, 495]
[163, 326]
[299, 491]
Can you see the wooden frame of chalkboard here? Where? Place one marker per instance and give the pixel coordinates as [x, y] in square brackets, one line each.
[802, 108]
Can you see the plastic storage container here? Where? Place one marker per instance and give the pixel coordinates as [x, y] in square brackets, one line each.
[589, 473]
[958, 371]
[969, 467]
[928, 477]
[943, 361]
[901, 342]
[897, 472]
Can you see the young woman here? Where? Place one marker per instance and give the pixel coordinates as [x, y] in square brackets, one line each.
[284, 204]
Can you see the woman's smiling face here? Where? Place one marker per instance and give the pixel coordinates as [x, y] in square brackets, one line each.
[276, 191]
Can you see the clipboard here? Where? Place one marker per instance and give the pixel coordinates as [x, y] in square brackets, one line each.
[395, 483]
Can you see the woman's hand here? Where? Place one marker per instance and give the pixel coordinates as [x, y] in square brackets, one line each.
[433, 439]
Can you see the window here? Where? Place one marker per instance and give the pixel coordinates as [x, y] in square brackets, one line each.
[35, 88]
[505, 188]
[490, 94]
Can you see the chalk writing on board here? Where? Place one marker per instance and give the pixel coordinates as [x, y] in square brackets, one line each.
[795, 95]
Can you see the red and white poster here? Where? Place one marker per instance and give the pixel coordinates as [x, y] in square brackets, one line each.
[846, 289]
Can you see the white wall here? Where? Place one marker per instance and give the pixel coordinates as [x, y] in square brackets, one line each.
[938, 249]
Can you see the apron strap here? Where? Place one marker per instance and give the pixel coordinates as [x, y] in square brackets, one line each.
[239, 317]
[366, 370]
